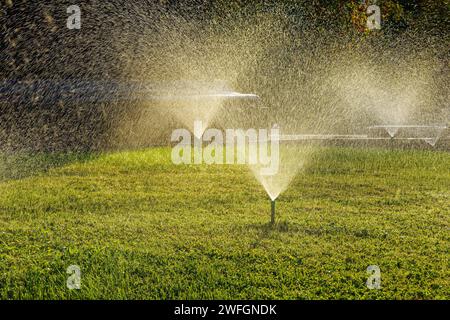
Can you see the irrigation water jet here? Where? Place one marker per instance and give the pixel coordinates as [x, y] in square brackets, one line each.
[192, 101]
[322, 83]
[427, 133]
[291, 160]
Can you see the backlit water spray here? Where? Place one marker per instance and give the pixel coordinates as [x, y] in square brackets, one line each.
[311, 79]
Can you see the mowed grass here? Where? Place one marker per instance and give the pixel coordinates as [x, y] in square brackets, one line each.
[140, 227]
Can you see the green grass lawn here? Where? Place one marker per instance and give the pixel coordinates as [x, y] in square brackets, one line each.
[140, 227]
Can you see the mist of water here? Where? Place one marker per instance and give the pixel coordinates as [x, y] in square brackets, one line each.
[310, 79]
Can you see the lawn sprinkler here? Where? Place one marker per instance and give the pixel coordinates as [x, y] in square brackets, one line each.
[272, 217]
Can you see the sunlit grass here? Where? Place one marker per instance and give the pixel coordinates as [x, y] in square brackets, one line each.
[140, 227]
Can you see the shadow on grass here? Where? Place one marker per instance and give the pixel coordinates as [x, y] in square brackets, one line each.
[21, 165]
[266, 230]
[278, 226]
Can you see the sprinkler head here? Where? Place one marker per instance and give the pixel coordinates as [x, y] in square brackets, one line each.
[272, 217]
